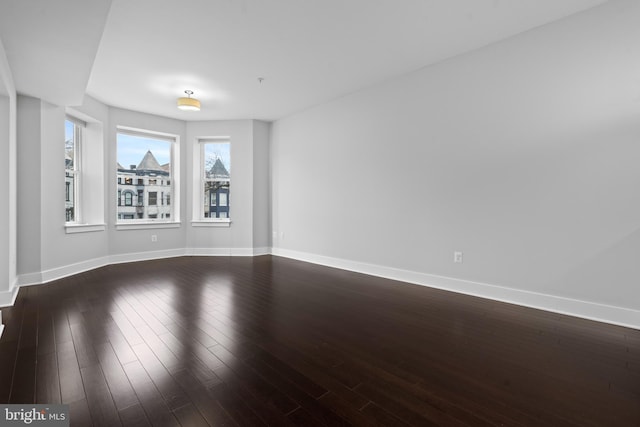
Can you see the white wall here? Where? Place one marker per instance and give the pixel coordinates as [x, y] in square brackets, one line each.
[8, 256]
[5, 209]
[261, 186]
[238, 237]
[95, 161]
[524, 155]
[123, 242]
[29, 131]
[45, 250]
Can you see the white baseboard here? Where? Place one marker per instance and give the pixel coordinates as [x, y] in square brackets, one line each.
[7, 298]
[261, 251]
[70, 270]
[28, 279]
[219, 251]
[588, 310]
[145, 256]
[50, 275]
[208, 252]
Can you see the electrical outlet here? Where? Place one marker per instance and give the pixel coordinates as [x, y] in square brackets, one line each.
[154, 237]
[457, 257]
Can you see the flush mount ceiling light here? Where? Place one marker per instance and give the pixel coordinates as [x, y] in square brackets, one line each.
[188, 103]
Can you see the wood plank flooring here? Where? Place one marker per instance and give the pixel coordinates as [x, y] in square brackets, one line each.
[219, 341]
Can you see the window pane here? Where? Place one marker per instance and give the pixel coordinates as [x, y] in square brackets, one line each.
[69, 144]
[216, 168]
[217, 156]
[69, 197]
[145, 161]
[70, 164]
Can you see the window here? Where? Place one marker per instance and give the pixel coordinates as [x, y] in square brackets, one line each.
[216, 177]
[84, 195]
[151, 157]
[119, 197]
[72, 160]
[128, 199]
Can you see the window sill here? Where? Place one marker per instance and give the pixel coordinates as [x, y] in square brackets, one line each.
[211, 223]
[143, 225]
[83, 228]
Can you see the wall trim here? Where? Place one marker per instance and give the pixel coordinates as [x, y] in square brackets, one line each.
[219, 251]
[208, 252]
[8, 298]
[261, 251]
[70, 270]
[145, 256]
[587, 310]
[28, 279]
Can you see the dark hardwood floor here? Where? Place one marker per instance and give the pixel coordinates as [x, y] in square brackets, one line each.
[270, 341]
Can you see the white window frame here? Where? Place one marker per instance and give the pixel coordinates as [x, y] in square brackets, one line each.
[76, 172]
[199, 219]
[89, 175]
[174, 220]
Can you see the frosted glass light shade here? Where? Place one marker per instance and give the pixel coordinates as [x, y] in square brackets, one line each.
[188, 104]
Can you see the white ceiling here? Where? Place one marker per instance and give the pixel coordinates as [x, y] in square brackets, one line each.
[51, 45]
[307, 51]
